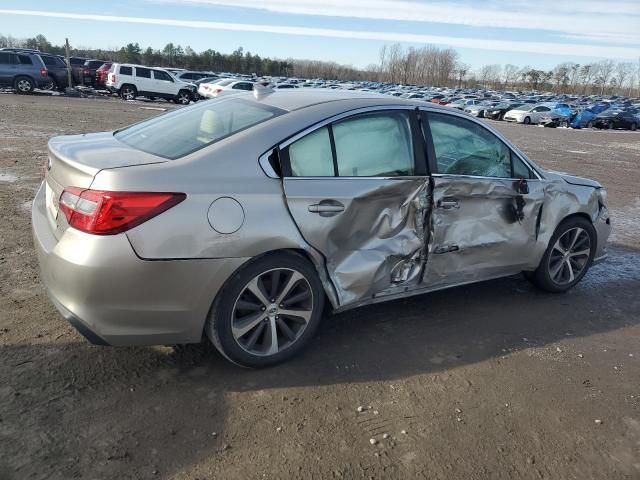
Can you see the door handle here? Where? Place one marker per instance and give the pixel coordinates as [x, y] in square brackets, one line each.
[448, 203]
[327, 208]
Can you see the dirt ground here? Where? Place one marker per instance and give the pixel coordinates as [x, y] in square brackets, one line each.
[494, 380]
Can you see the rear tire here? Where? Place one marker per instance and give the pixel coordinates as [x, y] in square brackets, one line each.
[633, 127]
[128, 92]
[24, 85]
[257, 330]
[589, 124]
[567, 258]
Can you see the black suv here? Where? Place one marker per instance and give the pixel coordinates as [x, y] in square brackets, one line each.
[23, 70]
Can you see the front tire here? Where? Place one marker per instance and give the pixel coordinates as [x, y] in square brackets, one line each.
[183, 97]
[589, 124]
[633, 127]
[568, 257]
[24, 85]
[527, 120]
[267, 312]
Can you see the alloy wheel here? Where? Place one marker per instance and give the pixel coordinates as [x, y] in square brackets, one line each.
[183, 98]
[570, 256]
[24, 85]
[128, 94]
[272, 311]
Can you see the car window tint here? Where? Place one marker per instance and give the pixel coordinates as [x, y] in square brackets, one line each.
[463, 147]
[48, 61]
[520, 170]
[25, 60]
[143, 72]
[126, 71]
[374, 145]
[311, 155]
[186, 130]
[5, 58]
[160, 75]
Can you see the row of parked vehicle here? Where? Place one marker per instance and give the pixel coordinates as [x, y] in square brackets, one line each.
[26, 70]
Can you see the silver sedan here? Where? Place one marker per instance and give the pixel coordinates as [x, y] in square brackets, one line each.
[239, 218]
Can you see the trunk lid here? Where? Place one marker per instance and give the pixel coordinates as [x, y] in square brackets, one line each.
[75, 160]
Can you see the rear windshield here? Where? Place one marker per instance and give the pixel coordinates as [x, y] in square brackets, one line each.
[188, 129]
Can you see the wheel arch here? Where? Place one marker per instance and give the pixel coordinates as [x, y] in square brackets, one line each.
[314, 259]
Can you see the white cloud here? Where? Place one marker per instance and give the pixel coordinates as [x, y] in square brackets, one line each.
[619, 20]
[477, 43]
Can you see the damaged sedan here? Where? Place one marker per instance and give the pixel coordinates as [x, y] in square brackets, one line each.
[238, 219]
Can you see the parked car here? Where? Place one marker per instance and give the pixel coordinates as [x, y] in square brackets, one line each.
[463, 103]
[89, 72]
[235, 218]
[223, 86]
[101, 75]
[130, 81]
[498, 111]
[611, 118]
[190, 76]
[55, 65]
[478, 110]
[77, 69]
[23, 71]
[527, 114]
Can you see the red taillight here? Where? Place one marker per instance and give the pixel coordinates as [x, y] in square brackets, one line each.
[113, 77]
[44, 72]
[217, 91]
[107, 213]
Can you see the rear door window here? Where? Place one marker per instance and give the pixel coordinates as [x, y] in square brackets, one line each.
[143, 72]
[369, 145]
[126, 71]
[5, 58]
[374, 145]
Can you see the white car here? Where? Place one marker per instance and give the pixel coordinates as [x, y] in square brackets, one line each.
[130, 81]
[528, 113]
[223, 86]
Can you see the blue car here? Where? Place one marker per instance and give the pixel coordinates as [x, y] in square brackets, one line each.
[586, 118]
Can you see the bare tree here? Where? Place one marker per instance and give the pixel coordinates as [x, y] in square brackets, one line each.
[605, 70]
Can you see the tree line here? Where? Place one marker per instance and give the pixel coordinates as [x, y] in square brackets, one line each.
[171, 55]
[427, 65]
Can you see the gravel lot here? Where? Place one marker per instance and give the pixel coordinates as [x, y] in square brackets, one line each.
[494, 380]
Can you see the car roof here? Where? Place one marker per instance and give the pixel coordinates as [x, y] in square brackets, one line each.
[296, 99]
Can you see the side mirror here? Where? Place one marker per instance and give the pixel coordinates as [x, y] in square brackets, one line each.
[521, 186]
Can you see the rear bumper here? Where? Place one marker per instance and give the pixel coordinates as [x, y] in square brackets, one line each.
[115, 298]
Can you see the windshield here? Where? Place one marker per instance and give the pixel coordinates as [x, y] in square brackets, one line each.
[184, 131]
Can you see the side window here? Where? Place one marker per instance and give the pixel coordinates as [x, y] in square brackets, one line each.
[520, 170]
[48, 61]
[463, 147]
[126, 71]
[159, 75]
[5, 58]
[374, 145]
[544, 109]
[311, 155]
[143, 72]
[25, 60]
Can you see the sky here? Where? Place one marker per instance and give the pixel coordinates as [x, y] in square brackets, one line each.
[539, 33]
